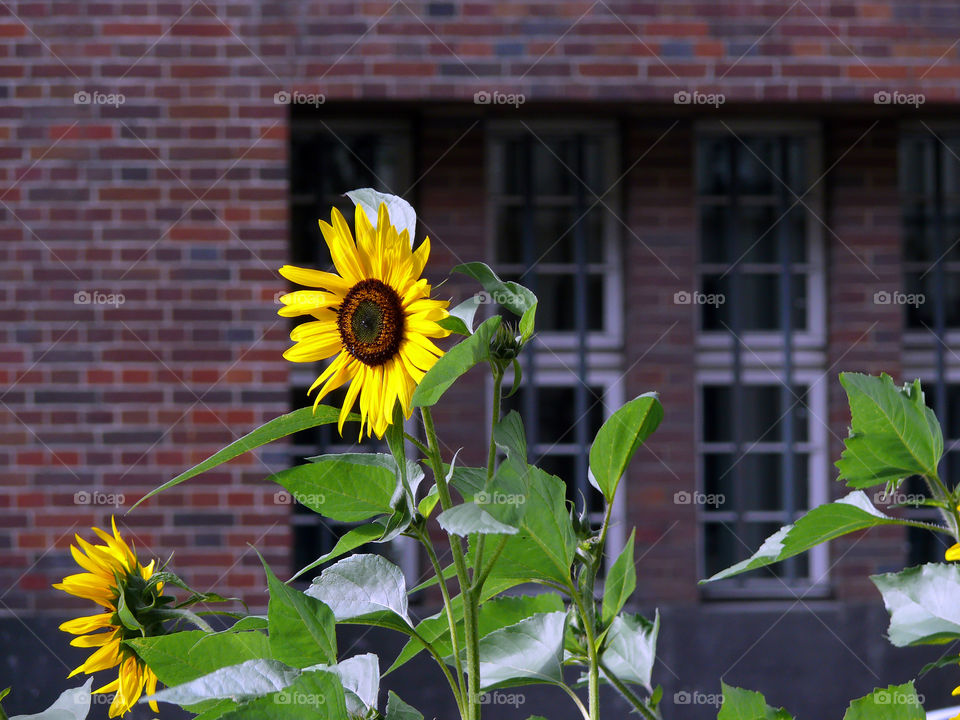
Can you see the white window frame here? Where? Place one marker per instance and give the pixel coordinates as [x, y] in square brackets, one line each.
[556, 352]
[762, 362]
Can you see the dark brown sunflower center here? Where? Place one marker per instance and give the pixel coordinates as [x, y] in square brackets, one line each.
[370, 321]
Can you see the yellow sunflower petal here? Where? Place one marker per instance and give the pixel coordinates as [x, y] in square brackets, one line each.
[953, 553]
[89, 641]
[150, 687]
[104, 657]
[343, 251]
[316, 278]
[88, 623]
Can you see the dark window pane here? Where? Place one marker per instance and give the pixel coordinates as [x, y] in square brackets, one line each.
[762, 481]
[762, 413]
[758, 295]
[714, 166]
[754, 166]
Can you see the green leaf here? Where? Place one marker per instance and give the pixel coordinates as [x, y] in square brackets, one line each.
[402, 215]
[514, 297]
[350, 540]
[397, 709]
[922, 602]
[360, 678]
[72, 704]
[544, 548]
[618, 439]
[510, 436]
[893, 434]
[184, 656]
[247, 680]
[631, 648]
[826, 522]
[429, 502]
[461, 317]
[302, 628]
[312, 695]
[494, 614]
[275, 429]
[896, 702]
[454, 363]
[748, 705]
[127, 618]
[347, 487]
[362, 585]
[529, 651]
[620, 583]
[527, 322]
[468, 518]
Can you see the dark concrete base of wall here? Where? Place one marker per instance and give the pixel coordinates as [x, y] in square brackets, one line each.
[810, 659]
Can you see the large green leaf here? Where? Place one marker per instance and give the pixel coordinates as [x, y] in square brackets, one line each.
[73, 704]
[922, 602]
[397, 709]
[618, 439]
[469, 518]
[494, 614]
[893, 434]
[312, 695]
[826, 522]
[529, 651]
[362, 585]
[184, 656]
[630, 648]
[275, 429]
[544, 548]
[454, 363]
[347, 487]
[510, 436]
[748, 705]
[513, 296]
[244, 681]
[895, 702]
[620, 583]
[302, 628]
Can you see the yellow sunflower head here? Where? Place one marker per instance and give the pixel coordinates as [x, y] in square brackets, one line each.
[113, 572]
[375, 314]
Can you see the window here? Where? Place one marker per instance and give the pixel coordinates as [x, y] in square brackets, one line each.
[930, 193]
[553, 230]
[328, 159]
[761, 445]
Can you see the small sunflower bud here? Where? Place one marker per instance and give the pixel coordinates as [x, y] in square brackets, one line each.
[506, 343]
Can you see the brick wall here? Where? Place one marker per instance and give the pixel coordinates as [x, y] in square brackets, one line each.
[176, 199]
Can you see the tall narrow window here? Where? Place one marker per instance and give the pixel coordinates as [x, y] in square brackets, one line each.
[762, 437]
[554, 231]
[326, 160]
[930, 192]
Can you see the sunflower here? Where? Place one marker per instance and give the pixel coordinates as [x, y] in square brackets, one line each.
[375, 314]
[112, 572]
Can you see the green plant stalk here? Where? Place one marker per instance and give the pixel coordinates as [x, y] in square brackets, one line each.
[469, 599]
[479, 575]
[451, 624]
[629, 695]
[950, 514]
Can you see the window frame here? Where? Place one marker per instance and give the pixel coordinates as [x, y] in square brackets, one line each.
[762, 358]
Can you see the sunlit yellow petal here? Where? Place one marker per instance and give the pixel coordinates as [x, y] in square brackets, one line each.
[953, 553]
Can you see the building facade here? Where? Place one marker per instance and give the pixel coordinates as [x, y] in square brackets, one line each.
[728, 203]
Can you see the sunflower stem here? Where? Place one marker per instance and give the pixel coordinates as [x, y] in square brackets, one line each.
[466, 591]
